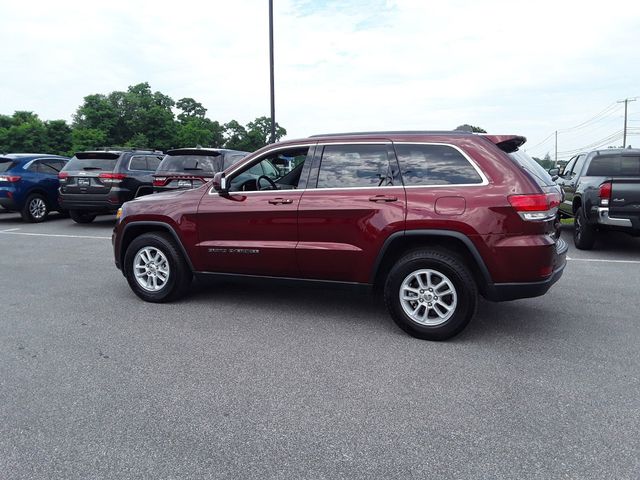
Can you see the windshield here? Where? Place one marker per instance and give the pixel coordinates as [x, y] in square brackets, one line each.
[191, 163]
[615, 166]
[5, 164]
[540, 175]
[93, 163]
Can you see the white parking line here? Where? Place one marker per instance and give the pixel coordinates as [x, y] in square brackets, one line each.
[601, 260]
[13, 232]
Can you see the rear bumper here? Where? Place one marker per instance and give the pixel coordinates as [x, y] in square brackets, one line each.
[500, 292]
[93, 203]
[600, 215]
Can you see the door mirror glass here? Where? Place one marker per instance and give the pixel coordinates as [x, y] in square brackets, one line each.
[554, 172]
[220, 183]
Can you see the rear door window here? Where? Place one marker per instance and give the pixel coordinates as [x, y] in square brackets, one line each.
[615, 166]
[423, 165]
[349, 166]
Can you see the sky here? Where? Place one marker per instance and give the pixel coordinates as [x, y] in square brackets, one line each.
[528, 68]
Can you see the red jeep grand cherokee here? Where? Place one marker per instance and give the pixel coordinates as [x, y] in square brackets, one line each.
[433, 218]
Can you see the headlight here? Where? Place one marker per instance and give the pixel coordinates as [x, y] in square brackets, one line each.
[119, 214]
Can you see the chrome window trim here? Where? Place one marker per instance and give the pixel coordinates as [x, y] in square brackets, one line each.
[483, 177]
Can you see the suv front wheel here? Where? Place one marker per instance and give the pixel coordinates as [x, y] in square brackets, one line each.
[155, 268]
[431, 294]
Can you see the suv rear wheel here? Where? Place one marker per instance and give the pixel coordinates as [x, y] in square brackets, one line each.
[155, 268]
[35, 209]
[79, 216]
[431, 294]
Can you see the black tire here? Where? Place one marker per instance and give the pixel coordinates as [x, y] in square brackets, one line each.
[179, 276]
[79, 216]
[584, 235]
[445, 266]
[35, 209]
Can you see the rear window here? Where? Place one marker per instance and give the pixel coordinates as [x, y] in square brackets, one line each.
[231, 159]
[6, 164]
[615, 166]
[191, 163]
[92, 163]
[537, 171]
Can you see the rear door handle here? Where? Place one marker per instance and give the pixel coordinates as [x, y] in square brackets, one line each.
[280, 201]
[383, 198]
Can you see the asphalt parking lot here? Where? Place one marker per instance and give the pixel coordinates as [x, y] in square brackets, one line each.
[263, 381]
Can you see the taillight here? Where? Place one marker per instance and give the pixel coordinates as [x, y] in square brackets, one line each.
[605, 194]
[111, 177]
[159, 181]
[63, 175]
[536, 207]
[10, 178]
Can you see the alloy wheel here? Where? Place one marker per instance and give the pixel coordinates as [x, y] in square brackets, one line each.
[428, 297]
[151, 269]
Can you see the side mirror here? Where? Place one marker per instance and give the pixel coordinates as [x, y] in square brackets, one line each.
[220, 183]
[554, 172]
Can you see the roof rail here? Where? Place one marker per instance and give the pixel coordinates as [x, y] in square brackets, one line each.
[394, 132]
[117, 148]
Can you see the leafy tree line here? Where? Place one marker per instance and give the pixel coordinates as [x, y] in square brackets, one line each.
[136, 117]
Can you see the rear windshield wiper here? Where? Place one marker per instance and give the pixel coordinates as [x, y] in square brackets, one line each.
[192, 168]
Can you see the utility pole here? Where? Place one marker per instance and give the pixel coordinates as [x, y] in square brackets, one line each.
[624, 135]
[555, 162]
[273, 97]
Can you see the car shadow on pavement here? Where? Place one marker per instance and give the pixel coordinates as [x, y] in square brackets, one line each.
[520, 320]
[307, 300]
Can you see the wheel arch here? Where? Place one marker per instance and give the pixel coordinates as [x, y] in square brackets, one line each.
[458, 243]
[576, 204]
[135, 229]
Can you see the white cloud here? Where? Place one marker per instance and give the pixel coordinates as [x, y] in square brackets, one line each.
[519, 67]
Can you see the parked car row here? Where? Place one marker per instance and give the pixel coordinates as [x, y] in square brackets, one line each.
[99, 182]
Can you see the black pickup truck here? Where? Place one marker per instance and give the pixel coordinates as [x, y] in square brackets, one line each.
[601, 192]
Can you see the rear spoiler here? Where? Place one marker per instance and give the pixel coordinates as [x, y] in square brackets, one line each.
[194, 151]
[87, 155]
[507, 143]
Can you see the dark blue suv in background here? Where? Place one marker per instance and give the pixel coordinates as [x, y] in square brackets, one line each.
[29, 183]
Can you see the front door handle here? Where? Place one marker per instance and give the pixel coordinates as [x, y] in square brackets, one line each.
[280, 201]
[383, 198]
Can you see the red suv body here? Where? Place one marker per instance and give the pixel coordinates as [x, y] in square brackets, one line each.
[433, 218]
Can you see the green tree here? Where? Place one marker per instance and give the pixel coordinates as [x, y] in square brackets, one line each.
[59, 139]
[465, 127]
[252, 137]
[88, 139]
[26, 133]
[200, 131]
[190, 109]
[139, 140]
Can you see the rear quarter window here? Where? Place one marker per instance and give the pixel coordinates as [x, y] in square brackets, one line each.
[535, 170]
[615, 166]
[423, 165]
[6, 164]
